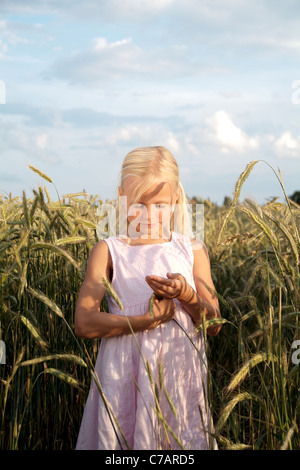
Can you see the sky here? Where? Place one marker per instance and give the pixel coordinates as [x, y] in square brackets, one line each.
[217, 82]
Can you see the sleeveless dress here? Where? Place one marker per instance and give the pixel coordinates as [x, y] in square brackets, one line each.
[154, 382]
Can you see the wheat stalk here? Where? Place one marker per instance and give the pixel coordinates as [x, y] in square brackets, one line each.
[63, 376]
[266, 229]
[45, 177]
[67, 357]
[227, 410]
[245, 369]
[39, 295]
[205, 324]
[288, 235]
[35, 333]
[40, 173]
[228, 445]
[288, 436]
[112, 293]
[244, 175]
[56, 249]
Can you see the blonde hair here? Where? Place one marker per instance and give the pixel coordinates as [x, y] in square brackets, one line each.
[151, 165]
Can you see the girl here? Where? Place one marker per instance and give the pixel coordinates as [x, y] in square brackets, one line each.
[151, 364]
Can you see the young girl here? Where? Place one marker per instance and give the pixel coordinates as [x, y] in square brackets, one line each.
[151, 364]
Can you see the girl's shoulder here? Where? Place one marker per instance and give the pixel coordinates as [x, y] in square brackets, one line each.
[100, 256]
[190, 241]
[197, 244]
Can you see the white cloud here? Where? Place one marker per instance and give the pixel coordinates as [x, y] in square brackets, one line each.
[102, 44]
[106, 62]
[42, 140]
[8, 33]
[228, 135]
[3, 48]
[141, 135]
[101, 63]
[27, 142]
[287, 145]
[172, 143]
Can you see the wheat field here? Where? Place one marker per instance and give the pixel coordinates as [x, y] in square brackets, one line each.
[253, 381]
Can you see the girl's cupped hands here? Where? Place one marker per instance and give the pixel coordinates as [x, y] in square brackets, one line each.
[173, 286]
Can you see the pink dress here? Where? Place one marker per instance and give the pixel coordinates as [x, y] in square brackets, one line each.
[172, 353]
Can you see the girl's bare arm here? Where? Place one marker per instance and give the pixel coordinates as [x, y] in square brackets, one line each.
[90, 322]
[202, 302]
[199, 303]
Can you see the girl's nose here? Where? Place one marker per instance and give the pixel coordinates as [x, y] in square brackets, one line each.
[148, 213]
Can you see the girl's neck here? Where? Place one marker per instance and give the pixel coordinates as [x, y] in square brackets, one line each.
[147, 241]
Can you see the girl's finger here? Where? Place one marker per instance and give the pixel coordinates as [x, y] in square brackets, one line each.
[165, 293]
[160, 294]
[160, 280]
[157, 286]
[152, 282]
[163, 287]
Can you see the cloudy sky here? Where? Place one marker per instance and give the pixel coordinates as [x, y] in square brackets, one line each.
[217, 82]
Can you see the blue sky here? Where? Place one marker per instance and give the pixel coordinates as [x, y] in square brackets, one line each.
[86, 82]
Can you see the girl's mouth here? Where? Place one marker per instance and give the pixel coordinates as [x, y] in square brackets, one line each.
[149, 224]
[153, 225]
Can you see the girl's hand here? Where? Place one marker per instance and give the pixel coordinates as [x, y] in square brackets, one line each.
[174, 286]
[163, 311]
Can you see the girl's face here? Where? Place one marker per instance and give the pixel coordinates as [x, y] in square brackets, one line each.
[152, 212]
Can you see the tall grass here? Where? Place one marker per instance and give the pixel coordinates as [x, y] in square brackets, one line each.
[253, 385]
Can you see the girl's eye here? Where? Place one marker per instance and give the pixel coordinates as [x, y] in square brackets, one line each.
[141, 206]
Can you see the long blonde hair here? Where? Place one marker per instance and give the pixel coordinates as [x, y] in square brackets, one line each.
[151, 165]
